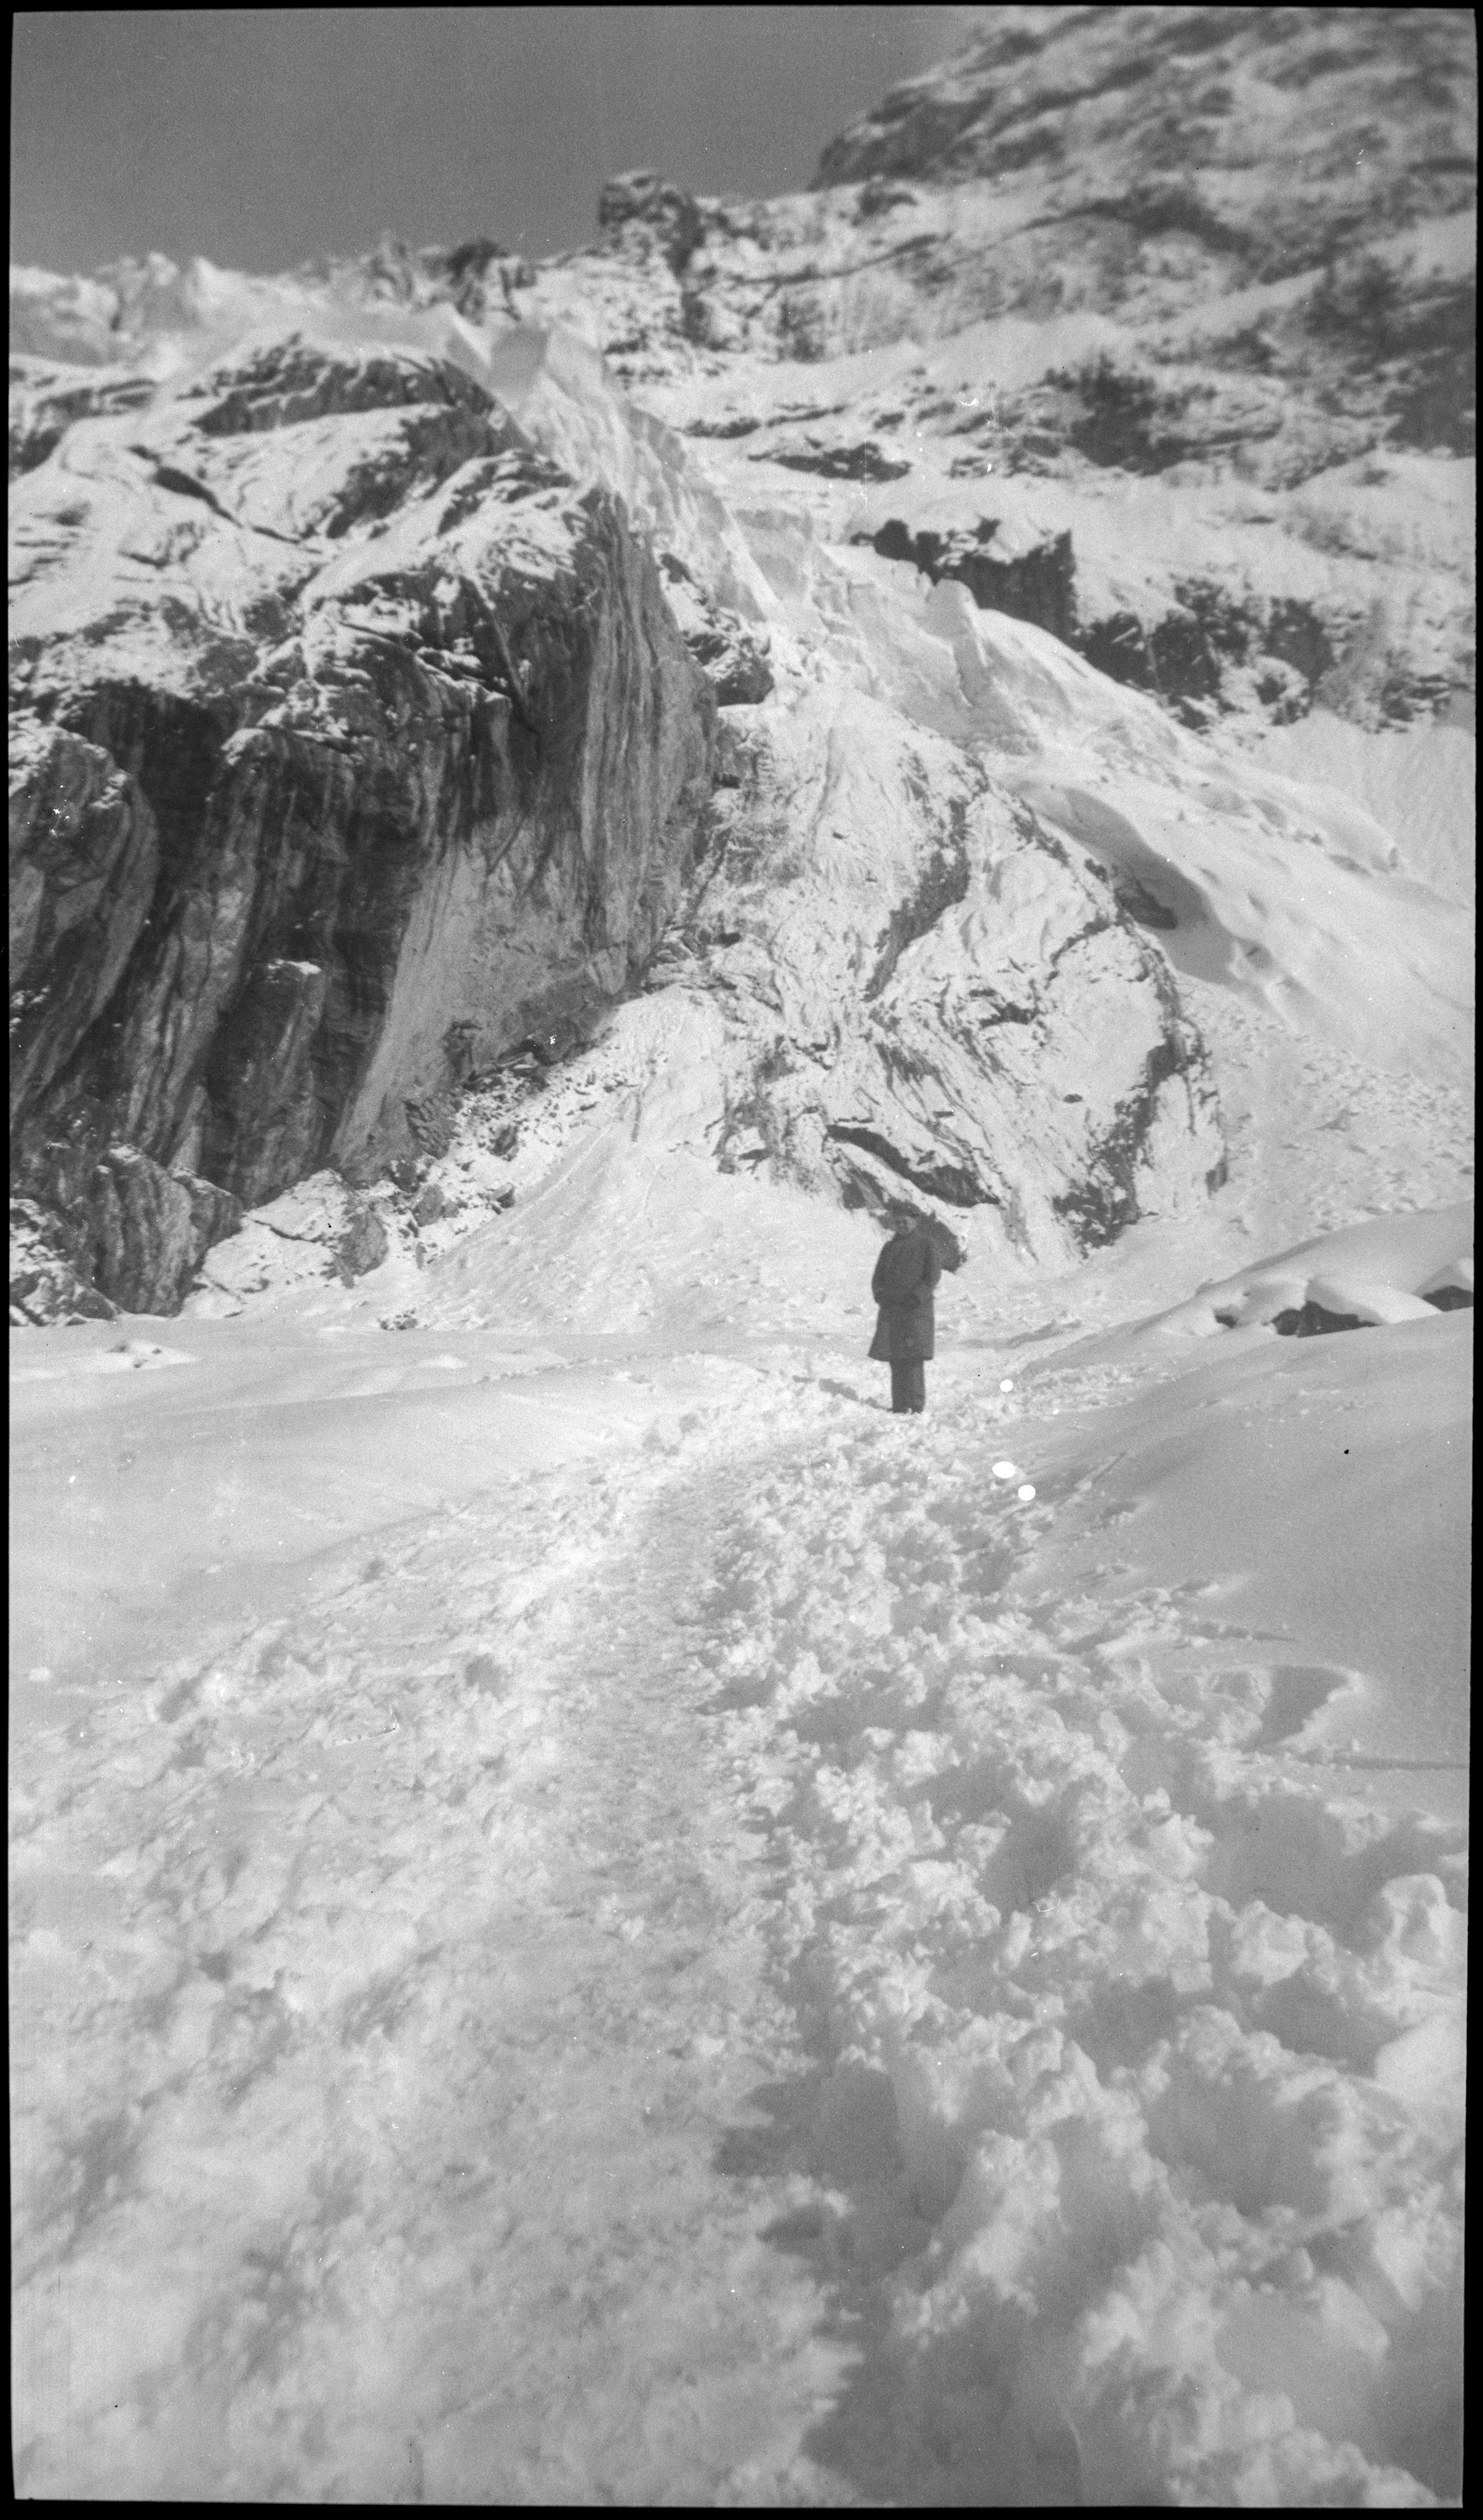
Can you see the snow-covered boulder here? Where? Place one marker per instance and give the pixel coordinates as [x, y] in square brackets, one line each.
[320, 1230]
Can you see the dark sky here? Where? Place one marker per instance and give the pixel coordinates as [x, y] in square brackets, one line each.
[259, 136]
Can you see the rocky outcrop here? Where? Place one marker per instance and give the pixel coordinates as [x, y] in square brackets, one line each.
[287, 382]
[149, 1229]
[732, 654]
[45, 402]
[1281, 648]
[1205, 653]
[85, 858]
[44, 1283]
[642, 207]
[921, 987]
[116, 1230]
[319, 1231]
[1036, 584]
[863, 460]
[267, 916]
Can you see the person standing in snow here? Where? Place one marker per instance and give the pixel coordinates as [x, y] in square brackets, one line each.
[905, 1274]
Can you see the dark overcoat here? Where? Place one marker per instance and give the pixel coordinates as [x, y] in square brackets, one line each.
[906, 1273]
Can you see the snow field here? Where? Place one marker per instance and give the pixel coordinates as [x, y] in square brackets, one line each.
[1146, 2056]
[384, 1986]
[1420, 783]
[703, 1947]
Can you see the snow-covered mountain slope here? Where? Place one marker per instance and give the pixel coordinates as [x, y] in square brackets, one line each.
[1230, 257]
[788, 1034]
[1086, 422]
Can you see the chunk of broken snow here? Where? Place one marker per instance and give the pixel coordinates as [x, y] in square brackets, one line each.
[1366, 1301]
[1456, 1272]
[1426, 2068]
[1386, 1269]
[1258, 1302]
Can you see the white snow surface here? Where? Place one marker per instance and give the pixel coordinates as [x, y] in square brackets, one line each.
[1419, 783]
[599, 1919]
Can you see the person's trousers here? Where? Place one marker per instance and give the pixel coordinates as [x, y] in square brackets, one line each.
[908, 1385]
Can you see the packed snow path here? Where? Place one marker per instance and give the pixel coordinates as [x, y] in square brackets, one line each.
[720, 1975]
[420, 2006]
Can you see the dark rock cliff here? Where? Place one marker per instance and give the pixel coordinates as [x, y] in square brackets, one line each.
[276, 894]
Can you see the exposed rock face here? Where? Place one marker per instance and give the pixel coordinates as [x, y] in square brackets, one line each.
[436, 785]
[732, 656]
[287, 382]
[45, 402]
[920, 986]
[45, 1285]
[319, 1230]
[150, 1229]
[1274, 648]
[863, 462]
[1037, 584]
[641, 207]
